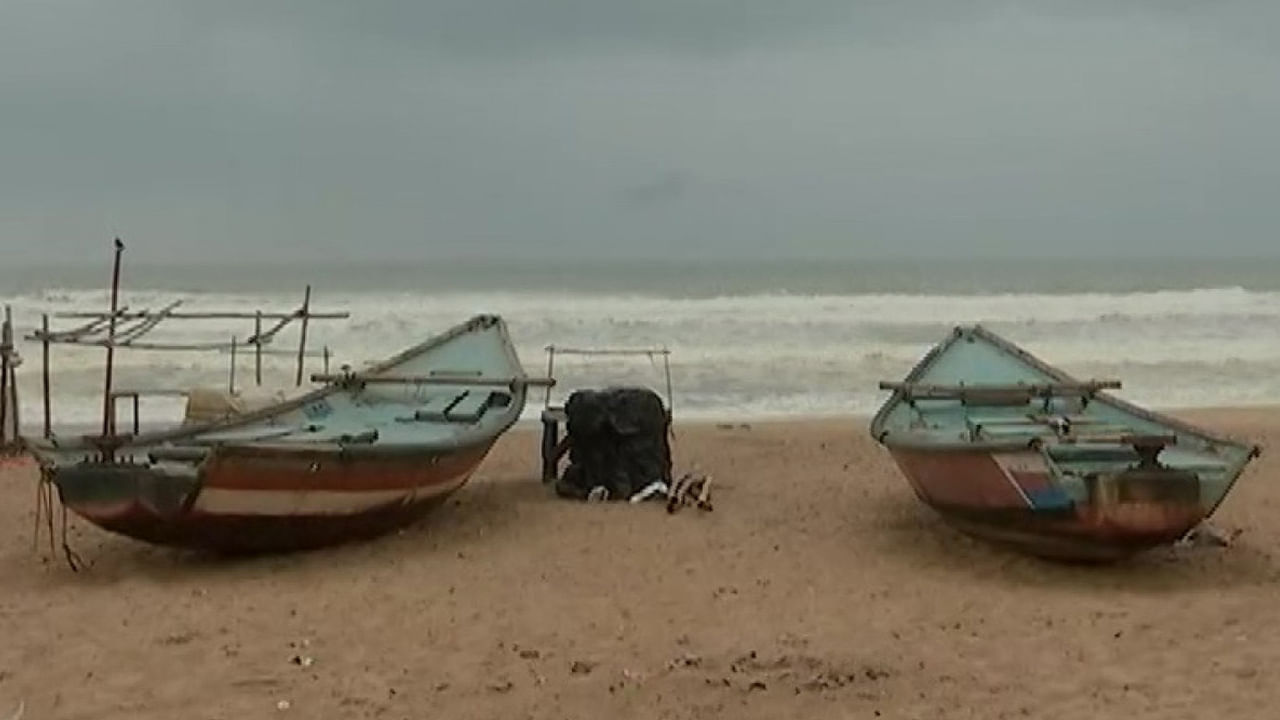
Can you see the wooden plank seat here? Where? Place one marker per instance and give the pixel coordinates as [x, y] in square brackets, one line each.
[1137, 440]
[469, 408]
[466, 407]
[1014, 425]
[1073, 419]
[434, 408]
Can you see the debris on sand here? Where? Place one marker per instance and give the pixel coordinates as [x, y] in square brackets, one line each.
[1206, 535]
[687, 660]
[690, 489]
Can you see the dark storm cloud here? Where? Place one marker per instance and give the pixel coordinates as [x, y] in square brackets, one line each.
[208, 129]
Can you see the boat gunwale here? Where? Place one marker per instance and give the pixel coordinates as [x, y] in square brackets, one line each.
[882, 435]
[43, 447]
[881, 416]
[458, 443]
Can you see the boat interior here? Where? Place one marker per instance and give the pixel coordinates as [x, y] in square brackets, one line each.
[978, 391]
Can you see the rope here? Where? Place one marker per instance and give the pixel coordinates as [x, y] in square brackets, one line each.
[73, 560]
[48, 504]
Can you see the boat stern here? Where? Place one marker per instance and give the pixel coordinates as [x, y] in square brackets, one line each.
[122, 496]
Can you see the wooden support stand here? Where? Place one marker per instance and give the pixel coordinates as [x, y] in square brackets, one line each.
[10, 425]
[553, 446]
[553, 416]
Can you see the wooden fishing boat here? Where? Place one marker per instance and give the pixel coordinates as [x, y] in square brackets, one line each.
[362, 454]
[1009, 449]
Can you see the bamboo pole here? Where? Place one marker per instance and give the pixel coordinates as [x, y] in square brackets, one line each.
[433, 380]
[666, 368]
[115, 299]
[4, 379]
[302, 336]
[609, 351]
[257, 348]
[551, 364]
[140, 314]
[232, 381]
[146, 325]
[13, 395]
[44, 374]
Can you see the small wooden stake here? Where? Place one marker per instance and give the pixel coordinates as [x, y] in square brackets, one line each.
[4, 380]
[257, 348]
[44, 373]
[231, 382]
[302, 339]
[551, 364]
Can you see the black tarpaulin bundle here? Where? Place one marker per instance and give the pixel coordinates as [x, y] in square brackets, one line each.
[617, 440]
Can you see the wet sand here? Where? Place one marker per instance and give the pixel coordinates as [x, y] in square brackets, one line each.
[817, 586]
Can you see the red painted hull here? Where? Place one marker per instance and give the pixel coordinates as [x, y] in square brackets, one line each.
[250, 534]
[269, 502]
[1012, 499]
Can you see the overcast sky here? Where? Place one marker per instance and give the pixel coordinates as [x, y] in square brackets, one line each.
[240, 128]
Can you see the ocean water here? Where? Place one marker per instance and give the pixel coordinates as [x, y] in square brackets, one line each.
[747, 340]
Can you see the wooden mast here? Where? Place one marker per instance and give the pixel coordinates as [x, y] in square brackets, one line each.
[107, 428]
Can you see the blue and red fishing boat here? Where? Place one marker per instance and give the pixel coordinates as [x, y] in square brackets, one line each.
[1010, 449]
[362, 454]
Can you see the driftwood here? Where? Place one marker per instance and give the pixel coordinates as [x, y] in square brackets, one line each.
[690, 489]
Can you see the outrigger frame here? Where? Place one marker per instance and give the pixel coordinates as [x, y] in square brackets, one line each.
[125, 328]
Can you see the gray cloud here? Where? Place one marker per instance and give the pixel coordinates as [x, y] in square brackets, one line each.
[663, 127]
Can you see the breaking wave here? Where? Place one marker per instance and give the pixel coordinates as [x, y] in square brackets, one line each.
[746, 355]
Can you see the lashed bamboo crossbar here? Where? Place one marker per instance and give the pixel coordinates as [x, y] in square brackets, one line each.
[193, 347]
[152, 392]
[998, 392]
[141, 314]
[146, 324]
[83, 335]
[553, 350]
[607, 351]
[433, 380]
[122, 328]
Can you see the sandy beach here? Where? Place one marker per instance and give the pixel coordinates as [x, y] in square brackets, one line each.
[817, 586]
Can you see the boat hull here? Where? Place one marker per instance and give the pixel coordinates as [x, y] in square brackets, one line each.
[1012, 499]
[265, 502]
